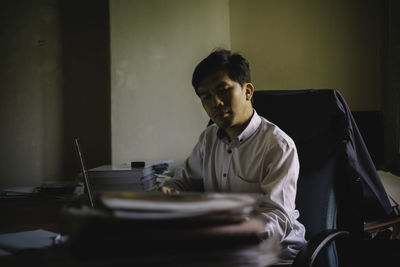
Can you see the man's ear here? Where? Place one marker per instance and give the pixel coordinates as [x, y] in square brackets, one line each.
[249, 90]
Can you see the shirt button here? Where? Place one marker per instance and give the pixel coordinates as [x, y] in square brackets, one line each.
[224, 174]
[229, 151]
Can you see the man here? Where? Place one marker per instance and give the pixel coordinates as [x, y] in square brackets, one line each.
[242, 152]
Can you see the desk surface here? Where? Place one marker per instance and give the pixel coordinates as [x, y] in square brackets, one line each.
[380, 225]
[33, 213]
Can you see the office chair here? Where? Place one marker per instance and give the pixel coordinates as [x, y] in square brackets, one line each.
[330, 185]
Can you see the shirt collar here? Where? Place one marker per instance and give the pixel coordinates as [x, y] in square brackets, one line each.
[247, 132]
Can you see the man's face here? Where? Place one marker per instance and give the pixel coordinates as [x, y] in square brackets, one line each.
[226, 102]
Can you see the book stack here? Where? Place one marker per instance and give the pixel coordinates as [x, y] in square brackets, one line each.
[108, 178]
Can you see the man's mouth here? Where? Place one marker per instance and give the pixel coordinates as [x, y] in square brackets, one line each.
[220, 114]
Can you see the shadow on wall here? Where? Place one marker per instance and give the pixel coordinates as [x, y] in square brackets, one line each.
[86, 92]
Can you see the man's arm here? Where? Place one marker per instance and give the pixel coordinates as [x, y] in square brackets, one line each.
[278, 202]
[188, 177]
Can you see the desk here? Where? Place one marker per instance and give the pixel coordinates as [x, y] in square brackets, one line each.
[379, 225]
[39, 213]
[34, 213]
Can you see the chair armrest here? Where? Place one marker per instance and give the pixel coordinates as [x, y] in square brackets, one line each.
[310, 251]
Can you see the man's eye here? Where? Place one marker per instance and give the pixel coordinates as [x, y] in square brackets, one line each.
[223, 91]
[204, 97]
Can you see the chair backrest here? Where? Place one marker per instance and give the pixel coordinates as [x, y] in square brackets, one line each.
[328, 193]
[370, 124]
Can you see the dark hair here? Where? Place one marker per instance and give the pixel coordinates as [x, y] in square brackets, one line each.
[235, 66]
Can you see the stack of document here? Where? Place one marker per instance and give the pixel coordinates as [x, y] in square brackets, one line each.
[109, 178]
[189, 227]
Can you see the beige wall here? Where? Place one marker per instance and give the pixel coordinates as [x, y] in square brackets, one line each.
[290, 45]
[155, 45]
[311, 44]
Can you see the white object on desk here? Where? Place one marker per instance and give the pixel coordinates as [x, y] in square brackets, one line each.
[391, 183]
[14, 242]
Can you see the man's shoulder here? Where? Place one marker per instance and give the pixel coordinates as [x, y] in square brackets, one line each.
[273, 132]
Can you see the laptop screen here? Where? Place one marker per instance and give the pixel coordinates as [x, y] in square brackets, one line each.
[88, 189]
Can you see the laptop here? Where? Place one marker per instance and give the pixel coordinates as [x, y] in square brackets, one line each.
[86, 182]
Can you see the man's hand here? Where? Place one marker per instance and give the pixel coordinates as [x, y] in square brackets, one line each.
[168, 190]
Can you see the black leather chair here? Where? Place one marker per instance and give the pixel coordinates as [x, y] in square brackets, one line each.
[330, 184]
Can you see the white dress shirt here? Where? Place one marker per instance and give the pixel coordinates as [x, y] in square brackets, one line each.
[262, 159]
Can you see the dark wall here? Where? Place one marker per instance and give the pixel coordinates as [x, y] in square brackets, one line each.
[86, 72]
[390, 91]
[30, 92]
[54, 86]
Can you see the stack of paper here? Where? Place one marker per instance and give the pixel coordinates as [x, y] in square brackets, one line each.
[109, 178]
[190, 227]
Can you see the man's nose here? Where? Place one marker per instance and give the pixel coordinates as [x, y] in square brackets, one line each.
[217, 101]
